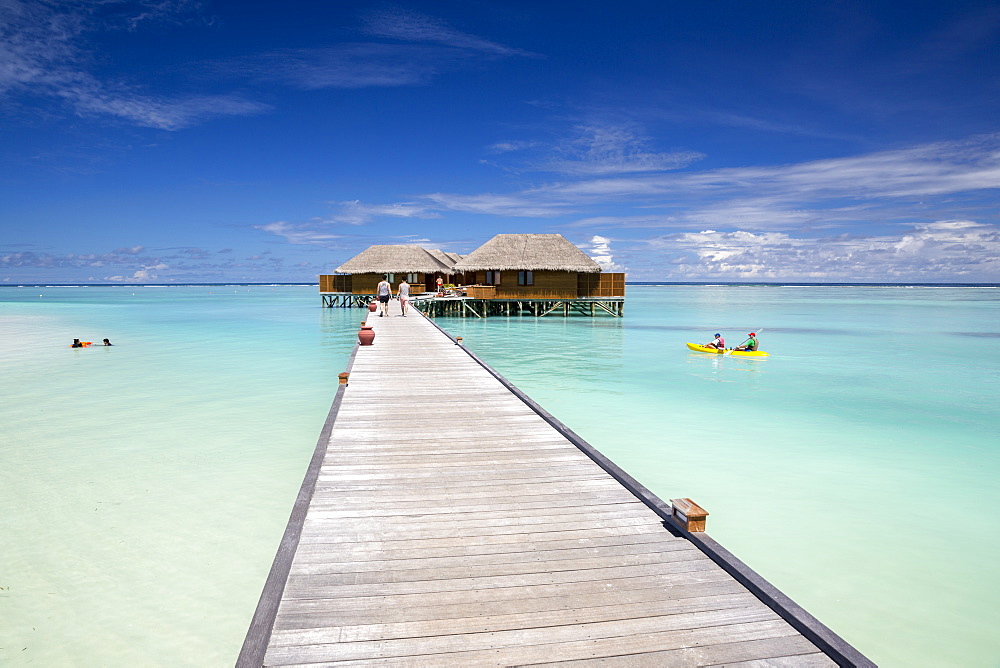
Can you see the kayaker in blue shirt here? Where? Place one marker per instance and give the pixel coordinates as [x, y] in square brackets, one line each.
[749, 345]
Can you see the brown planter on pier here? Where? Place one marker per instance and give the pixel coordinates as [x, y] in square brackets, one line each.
[366, 335]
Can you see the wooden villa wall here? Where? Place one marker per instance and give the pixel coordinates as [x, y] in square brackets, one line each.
[557, 285]
[548, 285]
[601, 285]
[366, 284]
[335, 283]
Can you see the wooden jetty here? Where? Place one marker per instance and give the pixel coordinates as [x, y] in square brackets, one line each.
[481, 531]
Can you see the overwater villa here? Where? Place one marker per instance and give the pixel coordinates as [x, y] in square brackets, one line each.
[361, 274]
[511, 274]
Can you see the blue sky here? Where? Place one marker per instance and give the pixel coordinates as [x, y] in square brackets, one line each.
[176, 141]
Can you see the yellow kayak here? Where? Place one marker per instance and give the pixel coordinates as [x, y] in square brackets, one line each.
[735, 353]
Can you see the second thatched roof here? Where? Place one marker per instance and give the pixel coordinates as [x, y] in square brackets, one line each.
[395, 259]
[447, 259]
[530, 252]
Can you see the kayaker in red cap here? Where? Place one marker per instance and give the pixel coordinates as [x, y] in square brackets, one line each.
[750, 344]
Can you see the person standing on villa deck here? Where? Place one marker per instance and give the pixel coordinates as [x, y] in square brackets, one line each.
[384, 292]
[440, 284]
[404, 295]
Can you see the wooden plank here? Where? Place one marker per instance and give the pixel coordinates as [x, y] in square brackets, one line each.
[495, 496]
[653, 541]
[379, 508]
[336, 532]
[325, 574]
[480, 540]
[313, 612]
[354, 561]
[772, 652]
[447, 626]
[310, 586]
[531, 645]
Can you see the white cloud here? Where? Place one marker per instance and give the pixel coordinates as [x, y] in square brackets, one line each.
[922, 182]
[600, 252]
[349, 66]
[940, 251]
[159, 113]
[511, 146]
[614, 149]
[430, 47]
[357, 213]
[122, 257]
[412, 27]
[521, 205]
[597, 150]
[931, 169]
[43, 53]
[140, 275]
[347, 213]
[297, 234]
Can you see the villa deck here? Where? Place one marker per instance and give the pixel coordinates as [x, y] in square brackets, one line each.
[481, 531]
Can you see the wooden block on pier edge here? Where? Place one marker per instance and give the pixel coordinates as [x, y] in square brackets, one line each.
[690, 515]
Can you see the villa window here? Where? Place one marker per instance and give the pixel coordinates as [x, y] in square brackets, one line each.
[492, 277]
[411, 278]
[525, 278]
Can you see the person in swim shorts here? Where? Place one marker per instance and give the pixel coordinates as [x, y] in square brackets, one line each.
[384, 292]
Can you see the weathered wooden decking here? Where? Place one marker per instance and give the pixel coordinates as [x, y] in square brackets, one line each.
[446, 521]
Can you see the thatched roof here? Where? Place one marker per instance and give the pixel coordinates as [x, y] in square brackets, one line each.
[394, 259]
[534, 252]
[447, 259]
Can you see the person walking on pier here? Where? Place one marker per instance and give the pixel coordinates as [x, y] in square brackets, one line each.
[404, 295]
[384, 292]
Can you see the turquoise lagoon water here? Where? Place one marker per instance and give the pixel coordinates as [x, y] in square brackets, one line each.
[146, 486]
